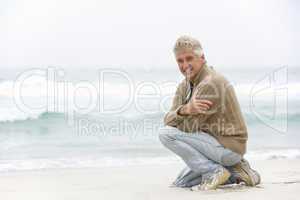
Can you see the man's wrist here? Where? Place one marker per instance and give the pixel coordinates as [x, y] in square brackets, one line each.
[183, 110]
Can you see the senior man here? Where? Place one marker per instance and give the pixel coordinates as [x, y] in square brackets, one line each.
[205, 126]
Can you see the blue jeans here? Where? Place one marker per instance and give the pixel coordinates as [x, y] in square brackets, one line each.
[201, 152]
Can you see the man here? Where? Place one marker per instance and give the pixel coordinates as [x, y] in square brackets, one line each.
[205, 126]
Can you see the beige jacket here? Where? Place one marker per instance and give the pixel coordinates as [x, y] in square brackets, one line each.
[223, 120]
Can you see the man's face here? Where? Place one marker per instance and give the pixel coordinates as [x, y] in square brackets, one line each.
[189, 63]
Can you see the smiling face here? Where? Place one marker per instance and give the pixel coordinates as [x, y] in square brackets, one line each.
[189, 63]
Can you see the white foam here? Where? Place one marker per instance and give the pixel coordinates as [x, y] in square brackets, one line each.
[268, 154]
[92, 162]
[63, 163]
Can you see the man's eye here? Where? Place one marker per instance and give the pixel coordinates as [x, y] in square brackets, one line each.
[180, 61]
[190, 58]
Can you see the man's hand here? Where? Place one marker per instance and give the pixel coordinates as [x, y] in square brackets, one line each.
[195, 106]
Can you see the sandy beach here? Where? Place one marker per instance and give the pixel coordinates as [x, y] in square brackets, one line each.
[280, 180]
[90, 89]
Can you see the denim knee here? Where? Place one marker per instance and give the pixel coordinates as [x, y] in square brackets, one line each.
[164, 137]
[230, 158]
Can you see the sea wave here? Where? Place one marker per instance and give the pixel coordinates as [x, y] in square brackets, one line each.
[37, 87]
[108, 161]
[61, 117]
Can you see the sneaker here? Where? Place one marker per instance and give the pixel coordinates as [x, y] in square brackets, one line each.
[242, 172]
[211, 181]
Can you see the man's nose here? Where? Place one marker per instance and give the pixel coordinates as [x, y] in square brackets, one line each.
[185, 65]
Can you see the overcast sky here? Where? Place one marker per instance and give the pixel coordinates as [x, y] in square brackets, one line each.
[142, 33]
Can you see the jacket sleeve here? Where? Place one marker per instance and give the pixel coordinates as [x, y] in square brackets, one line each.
[172, 118]
[208, 91]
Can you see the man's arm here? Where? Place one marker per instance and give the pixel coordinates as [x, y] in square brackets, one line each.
[203, 104]
[199, 105]
[205, 100]
[173, 118]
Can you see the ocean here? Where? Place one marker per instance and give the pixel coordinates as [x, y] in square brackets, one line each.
[75, 117]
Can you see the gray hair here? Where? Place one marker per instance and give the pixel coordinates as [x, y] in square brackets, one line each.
[184, 43]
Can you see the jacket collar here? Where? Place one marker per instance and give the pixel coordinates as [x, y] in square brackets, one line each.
[200, 76]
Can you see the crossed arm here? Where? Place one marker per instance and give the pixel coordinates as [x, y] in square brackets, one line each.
[203, 103]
